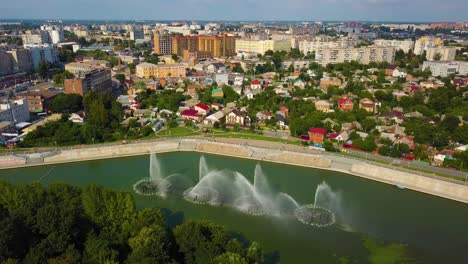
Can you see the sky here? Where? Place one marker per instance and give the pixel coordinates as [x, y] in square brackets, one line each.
[239, 10]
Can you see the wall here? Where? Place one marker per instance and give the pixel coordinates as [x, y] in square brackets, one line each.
[415, 182]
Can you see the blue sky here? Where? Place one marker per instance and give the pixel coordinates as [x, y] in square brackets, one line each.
[374, 10]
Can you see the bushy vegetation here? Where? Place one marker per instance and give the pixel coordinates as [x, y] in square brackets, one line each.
[65, 224]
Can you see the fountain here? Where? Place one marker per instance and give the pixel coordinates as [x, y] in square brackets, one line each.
[231, 188]
[320, 213]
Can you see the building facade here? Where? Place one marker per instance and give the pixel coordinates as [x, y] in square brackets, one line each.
[261, 46]
[98, 80]
[16, 111]
[162, 43]
[441, 53]
[364, 55]
[445, 68]
[149, 70]
[404, 45]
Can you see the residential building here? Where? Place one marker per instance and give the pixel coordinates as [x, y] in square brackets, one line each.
[41, 53]
[441, 53]
[137, 34]
[22, 60]
[98, 80]
[191, 115]
[218, 46]
[307, 46]
[326, 82]
[424, 43]
[182, 43]
[316, 135]
[261, 46]
[162, 43]
[38, 101]
[16, 111]
[77, 68]
[202, 109]
[367, 105]
[6, 63]
[200, 55]
[345, 104]
[323, 106]
[237, 117]
[404, 45]
[445, 68]
[149, 70]
[364, 55]
[255, 84]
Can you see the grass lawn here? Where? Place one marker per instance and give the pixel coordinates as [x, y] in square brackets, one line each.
[179, 132]
[249, 135]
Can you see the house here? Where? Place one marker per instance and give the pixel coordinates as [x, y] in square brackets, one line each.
[285, 110]
[238, 80]
[249, 94]
[191, 115]
[282, 121]
[262, 116]
[237, 117]
[280, 90]
[345, 104]
[193, 88]
[323, 106]
[214, 118]
[326, 82]
[78, 117]
[395, 115]
[217, 92]
[341, 136]
[202, 109]
[390, 69]
[316, 135]
[367, 105]
[256, 84]
[299, 83]
[216, 67]
[408, 140]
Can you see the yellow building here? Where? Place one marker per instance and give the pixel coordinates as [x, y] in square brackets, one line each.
[149, 70]
[261, 46]
[219, 46]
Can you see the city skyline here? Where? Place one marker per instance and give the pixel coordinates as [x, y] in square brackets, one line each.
[243, 10]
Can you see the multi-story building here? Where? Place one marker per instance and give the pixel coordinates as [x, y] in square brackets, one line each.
[162, 43]
[306, 46]
[404, 45]
[16, 111]
[42, 53]
[441, 53]
[423, 43]
[137, 34]
[261, 46]
[196, 54]
[182, 43]
[35, 38]
[219, 46]
[38, 101]
[84, 67]
[445, 68]
[97, 80]
[22, 60]
[149, 70]
[55, 33]
[364, 55]
[6, 63]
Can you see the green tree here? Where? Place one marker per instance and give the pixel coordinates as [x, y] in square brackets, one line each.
[149, 245]
[229, 258]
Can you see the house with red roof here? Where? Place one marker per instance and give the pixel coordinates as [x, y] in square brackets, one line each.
[202, 109]
[345, 104]
[408, 140]
[256, 84]
[191, 115]
[316, 135]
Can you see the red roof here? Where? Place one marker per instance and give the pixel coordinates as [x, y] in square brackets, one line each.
[202, 106]
[190, 112]
[321, 131]
[256, 82]
[345, 100]
[305, 137]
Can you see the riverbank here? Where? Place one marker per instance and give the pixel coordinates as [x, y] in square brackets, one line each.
[250, 149]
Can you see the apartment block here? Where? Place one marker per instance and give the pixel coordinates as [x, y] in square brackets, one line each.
[424, 43]
[38, 101]
[181, 43]
[162, 43]
[261, 46]
[149, 70]
[445, 68]
[16, 111]
[441, 53]
[364, 55]
[97, 80]
[306, 46]
[218, 46]
[404, 45]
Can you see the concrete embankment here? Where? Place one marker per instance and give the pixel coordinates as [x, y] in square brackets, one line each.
[415, 182]
[283, 155]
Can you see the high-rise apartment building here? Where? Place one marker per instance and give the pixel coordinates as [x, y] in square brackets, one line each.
[424, 43]
[441, 53]
[364, 55]
[404, 45]
[261, 46]
[181, 43]
[445, 68]
[162, 43]
[219, 46]
[22, 60]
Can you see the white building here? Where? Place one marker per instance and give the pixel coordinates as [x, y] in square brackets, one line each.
[445, 68]
[261, 46]
[364, 55]
[423, 43]
[17, 111]
[444, 53]
[306, 46]
[42, 53]
[404, 45]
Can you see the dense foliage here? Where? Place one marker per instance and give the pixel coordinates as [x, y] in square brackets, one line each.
[65, 224]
